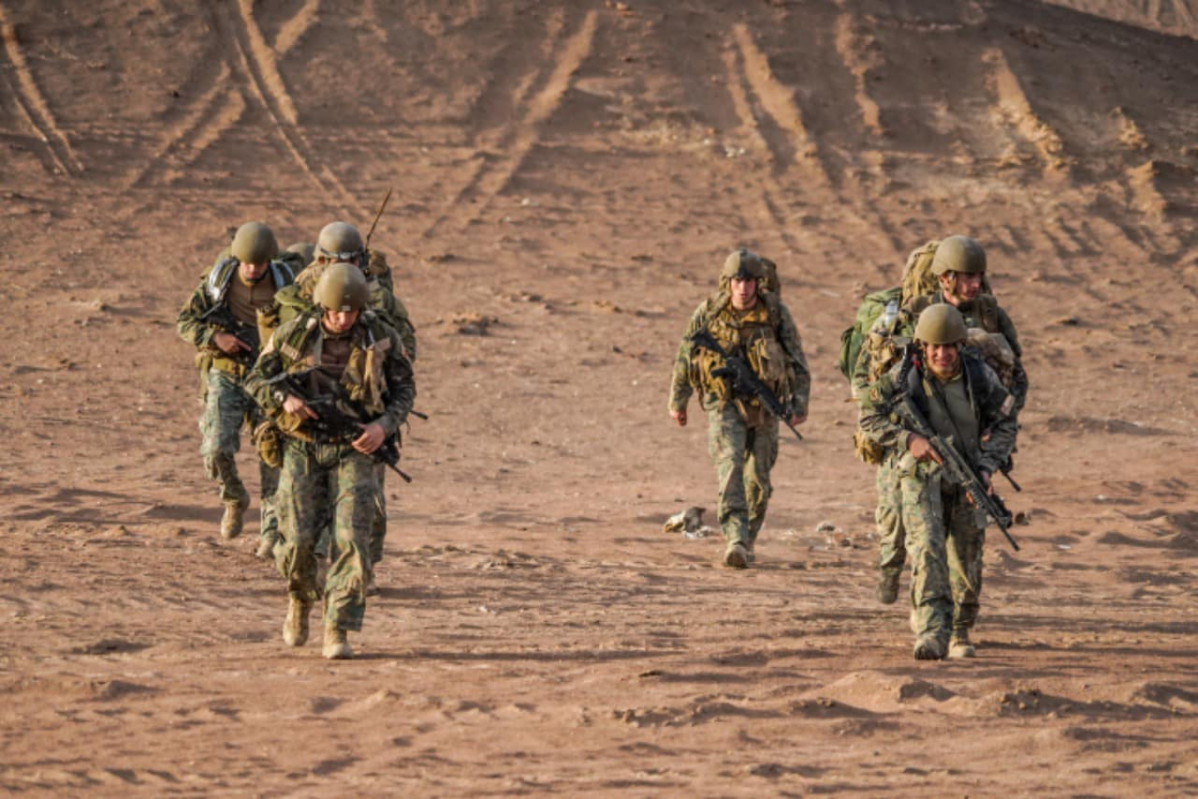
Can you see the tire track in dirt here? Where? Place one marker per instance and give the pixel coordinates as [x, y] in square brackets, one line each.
[785, 136]
[257, 68]
[34, 106]
[1012, 108]
[294, 29]
[778, 102]
[216, 111]
[493, 175]
[856, 48]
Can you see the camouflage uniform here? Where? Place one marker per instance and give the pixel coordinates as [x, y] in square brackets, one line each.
[297, 299]
[944, 532]
[742, 435]
[211, 310]
[983, 313]
[328, 479]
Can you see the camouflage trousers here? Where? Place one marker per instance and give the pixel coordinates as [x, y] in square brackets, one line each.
[378, 527]
[226, 408]
[743, 458]
[945, 537]
[888, 516]
[321, 482]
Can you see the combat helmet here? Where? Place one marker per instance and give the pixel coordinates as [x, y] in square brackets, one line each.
[959, 254]
[342, 287]
[940, 324]
[743, 264]
[339, 241]
[306, 250]
[254, 243]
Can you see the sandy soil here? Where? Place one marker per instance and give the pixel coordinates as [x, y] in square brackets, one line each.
[576, 172]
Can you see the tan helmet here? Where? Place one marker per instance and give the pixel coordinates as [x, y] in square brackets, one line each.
[959, 254]
[304, 249]
[339, 241]
[253, 243]
[342, 287]
[940, 324]
[742, 264]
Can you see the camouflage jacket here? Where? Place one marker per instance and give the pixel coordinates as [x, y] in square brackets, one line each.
[684, 381]
[883, 421]
[378, 375]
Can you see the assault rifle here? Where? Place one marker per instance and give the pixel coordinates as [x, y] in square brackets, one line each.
[742, 379]
[338, 418]
[958, 469]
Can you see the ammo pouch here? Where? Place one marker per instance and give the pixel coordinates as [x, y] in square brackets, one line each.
[269, 440]
[768, 360]
[867, 449]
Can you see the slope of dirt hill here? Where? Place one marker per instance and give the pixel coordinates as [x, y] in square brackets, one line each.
[574, 174]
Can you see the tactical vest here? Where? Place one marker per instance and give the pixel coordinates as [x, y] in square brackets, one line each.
[363, 379]
[754, 335]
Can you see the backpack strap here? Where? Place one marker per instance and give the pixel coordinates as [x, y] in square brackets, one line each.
[218, 278]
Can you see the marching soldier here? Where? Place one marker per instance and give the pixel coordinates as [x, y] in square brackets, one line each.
[220, 320]
[747, 318]
[337, 347]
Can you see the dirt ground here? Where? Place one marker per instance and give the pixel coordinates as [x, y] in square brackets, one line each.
[574, 173]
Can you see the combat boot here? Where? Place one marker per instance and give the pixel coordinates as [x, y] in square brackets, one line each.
[929, 646]
[372, 588]
[295, 626]
[736, 556]
[959, 645]
[888, 586]
[336, 647]
[234, 518]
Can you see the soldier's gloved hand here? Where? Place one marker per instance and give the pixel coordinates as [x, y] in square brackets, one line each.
[679, 417]
[229, 344]
[297, 407]
[921, 449]
[371, 439]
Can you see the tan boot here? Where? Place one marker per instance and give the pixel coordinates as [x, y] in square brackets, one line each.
[959, 645]
[336, 647]
[929, 647]
[295, 626]
[372, 588]
[736, 556]
[234, 518]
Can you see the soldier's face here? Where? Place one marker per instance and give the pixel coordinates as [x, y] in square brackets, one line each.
[339, 321]
[252, 273]
[961, 287]
[942, 359]
[744, 293]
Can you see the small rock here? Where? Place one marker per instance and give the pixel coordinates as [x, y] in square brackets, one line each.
[687, 521]
[825, 527]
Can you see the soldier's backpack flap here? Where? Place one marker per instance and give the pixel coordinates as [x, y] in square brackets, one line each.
[871, 307]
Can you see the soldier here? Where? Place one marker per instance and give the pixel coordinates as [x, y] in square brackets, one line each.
[746, 317]
[221, 320]
[327, 475]
[341, 242]
[958, 266]
[966, 405]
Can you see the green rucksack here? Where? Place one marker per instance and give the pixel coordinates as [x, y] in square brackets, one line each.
[918, 280]
[853, 337]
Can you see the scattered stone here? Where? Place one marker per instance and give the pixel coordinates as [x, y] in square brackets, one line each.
[1069, 321]
[1023, 517]
[825, 527]
[472, 323]
[687, 521]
